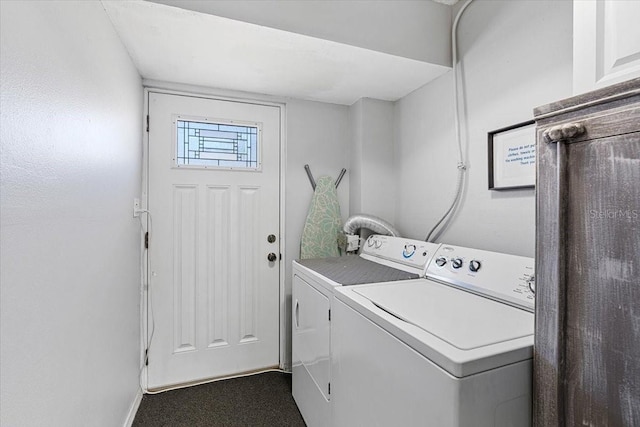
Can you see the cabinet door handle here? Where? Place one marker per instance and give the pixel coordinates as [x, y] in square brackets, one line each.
[563, 132]
[297, 314]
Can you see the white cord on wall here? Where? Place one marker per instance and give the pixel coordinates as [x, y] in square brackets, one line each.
[462, 167]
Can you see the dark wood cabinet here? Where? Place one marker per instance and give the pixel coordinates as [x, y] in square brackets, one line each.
[587, 342]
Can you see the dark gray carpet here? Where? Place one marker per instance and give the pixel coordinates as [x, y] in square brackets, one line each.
[257, 400]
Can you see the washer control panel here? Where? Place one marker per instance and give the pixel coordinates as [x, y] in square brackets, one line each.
[503, 277]
[414, 253]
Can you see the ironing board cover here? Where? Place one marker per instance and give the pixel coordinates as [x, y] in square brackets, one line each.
[320, 233]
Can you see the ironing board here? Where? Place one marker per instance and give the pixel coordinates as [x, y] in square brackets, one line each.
[320, 233]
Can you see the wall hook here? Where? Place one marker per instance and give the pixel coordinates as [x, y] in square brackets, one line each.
[313, 181]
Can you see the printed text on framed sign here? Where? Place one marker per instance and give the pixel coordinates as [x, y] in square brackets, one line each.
[512, 157]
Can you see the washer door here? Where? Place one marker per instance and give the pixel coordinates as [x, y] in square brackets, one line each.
[311, 332]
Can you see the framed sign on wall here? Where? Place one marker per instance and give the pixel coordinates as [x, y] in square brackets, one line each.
[512, 157]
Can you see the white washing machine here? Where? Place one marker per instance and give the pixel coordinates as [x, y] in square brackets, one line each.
[383, 259]
[452, 349]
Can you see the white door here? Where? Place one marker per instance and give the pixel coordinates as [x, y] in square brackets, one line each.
[214, 197]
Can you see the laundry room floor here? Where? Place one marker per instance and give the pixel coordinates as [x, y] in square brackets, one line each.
[258, 400]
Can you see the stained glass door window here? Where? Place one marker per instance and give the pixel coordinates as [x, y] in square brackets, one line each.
[217, 145]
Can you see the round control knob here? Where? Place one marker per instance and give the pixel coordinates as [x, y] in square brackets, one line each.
[441, 261]
[409, 250]
[370, 242]
[378, 243]
[531, 281]
[456, 263]
[474, 265]
[272, 257]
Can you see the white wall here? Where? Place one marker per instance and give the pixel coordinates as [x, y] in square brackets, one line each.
[356, 118]
[515, 56]
[71, 108]
[372, 189]
[317, 135]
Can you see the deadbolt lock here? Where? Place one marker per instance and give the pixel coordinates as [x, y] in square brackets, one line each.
[271, 238]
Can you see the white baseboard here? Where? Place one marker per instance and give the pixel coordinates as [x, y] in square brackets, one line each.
[133, 409]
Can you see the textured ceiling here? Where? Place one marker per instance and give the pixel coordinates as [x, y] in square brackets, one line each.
[181, 46]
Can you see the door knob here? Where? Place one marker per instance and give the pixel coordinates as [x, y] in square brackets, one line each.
[272, 257]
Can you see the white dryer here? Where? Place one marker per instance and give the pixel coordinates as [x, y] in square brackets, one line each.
[383, 259]
[453, 349]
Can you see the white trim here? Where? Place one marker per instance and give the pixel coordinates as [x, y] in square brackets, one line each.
[207, 92]
[133, 409]
[219, 94]
[284, 360]
[144, 259]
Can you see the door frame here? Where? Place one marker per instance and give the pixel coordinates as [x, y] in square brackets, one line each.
[217, 96]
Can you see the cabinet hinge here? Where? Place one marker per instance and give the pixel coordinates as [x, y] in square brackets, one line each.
[147, 123]
[329, 388]
[146, 240]
[146, 357]
[329, 315]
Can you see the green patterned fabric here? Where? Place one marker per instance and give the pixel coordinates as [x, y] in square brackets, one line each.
[320, 234]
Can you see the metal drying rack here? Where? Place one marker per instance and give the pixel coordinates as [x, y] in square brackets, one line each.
[313, 181]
